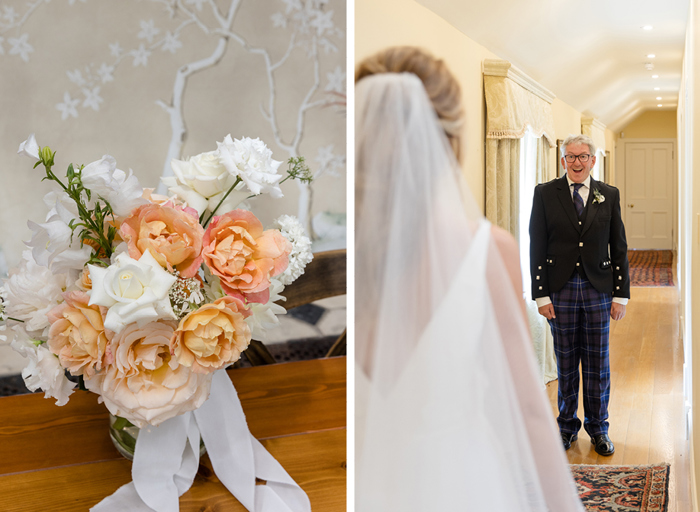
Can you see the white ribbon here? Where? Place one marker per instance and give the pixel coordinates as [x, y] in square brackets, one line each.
[166, 459]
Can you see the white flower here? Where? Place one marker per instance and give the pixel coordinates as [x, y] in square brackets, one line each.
[31, 291]
[599, 198]
[29, 148]
[264, 316]
[21, 47]
[123, 192]
[134, 291]
[202, 181]
[92, 98]
[43, 371]
[53, 244]
[301, 253]
[252, 160]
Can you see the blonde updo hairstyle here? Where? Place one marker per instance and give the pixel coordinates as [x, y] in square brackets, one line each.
[441, 86]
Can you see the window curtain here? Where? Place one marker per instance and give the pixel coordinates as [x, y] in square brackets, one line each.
[515, 104]
[596, 131]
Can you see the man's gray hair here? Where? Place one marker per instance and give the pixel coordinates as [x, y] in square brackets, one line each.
[578, 139]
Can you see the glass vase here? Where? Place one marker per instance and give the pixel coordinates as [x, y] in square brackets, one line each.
[124, 434]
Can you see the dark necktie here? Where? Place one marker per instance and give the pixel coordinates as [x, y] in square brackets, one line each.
[578, 200]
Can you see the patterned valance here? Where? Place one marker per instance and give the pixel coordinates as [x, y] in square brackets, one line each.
[595, 130]
[514, 102]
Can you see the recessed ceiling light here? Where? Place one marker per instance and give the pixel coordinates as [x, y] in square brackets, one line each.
[651, 56]
[659, 105]
[658, 97]
[657, 88]
[648, 27]
[655, 76]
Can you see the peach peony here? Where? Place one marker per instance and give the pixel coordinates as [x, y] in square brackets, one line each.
[77, 334]
[171, 234]
[212, 336]
[243, 256]
[145, 384]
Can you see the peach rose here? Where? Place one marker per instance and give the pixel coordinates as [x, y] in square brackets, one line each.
[243, 256]
[77, 334]
[172, 234]
[145, 384]
[212, 336]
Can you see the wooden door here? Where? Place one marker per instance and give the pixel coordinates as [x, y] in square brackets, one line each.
[649, 195]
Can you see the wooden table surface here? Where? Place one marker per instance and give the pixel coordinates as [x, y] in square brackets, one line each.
[61, 458]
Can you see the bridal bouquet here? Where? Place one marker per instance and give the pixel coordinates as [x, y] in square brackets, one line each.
[141, 298]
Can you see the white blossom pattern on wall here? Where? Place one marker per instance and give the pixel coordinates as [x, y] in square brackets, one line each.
[308, 26]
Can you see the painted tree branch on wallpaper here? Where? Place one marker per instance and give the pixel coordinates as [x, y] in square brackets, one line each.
[310, 28]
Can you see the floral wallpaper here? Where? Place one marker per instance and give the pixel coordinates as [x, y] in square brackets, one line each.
[146, 81]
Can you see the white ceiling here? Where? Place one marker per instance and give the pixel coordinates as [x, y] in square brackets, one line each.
[589, 53]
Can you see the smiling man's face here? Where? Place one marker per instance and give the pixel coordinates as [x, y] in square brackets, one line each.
[578, 171]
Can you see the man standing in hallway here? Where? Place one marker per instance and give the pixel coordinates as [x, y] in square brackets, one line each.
[580, 279]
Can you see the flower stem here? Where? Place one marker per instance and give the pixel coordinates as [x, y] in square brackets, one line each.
[238, 180]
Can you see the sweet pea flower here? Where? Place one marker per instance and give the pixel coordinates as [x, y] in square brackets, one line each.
[264, 316]
[29, 148]
[53, 243]
[134, 291]
[122, 191]
[43, 371]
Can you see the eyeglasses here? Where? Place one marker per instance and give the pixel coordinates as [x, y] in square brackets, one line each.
[572, 158]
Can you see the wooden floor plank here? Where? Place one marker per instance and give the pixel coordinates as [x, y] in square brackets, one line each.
[647, 421]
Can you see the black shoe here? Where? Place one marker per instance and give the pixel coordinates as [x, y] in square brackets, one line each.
[603, 445]
[567, 439]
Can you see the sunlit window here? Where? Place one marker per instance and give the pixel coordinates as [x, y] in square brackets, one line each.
[528, 180]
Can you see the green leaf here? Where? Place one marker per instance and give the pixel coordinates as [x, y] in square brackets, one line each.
[121, 423]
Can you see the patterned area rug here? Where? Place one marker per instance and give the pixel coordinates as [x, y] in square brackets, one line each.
[623, 488]
[651, 268]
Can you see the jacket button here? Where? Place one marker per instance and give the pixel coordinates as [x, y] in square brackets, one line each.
[578, 264]
[538, 278]
[617, 287]
[541, 287]
[617, 268]
[539, 268]
[580, 244]
[619, 278]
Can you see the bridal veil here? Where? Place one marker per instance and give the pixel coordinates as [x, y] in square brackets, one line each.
[450, 412]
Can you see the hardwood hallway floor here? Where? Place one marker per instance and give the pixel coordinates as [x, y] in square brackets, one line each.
[647, 422]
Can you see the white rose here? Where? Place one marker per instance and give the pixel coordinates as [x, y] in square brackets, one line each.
[134, 291]
[43, 371]
[145, 384]
[123, 192]
[53, 244]
[251, 160]
[202, 181]
[30, 291]
[29, 148]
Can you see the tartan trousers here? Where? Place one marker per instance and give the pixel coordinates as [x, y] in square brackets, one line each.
[581, 332]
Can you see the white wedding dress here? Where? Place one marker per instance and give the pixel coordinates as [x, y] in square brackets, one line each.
[449, 411]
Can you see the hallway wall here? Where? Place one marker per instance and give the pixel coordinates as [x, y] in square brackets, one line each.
[383, 23]
[652, 124]
[688, 117]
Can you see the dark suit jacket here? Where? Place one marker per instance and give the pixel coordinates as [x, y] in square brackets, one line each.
[558, 240]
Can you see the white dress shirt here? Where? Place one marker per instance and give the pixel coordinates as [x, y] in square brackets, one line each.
[584, 192]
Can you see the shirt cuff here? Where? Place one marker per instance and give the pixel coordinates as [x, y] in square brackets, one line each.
[543, 301]
[620, 300]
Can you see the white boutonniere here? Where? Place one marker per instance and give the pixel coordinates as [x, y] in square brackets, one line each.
[598, 197]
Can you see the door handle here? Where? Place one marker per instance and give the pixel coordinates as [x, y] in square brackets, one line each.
[630, 205]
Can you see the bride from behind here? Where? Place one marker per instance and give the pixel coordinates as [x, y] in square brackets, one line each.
[450, 413]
